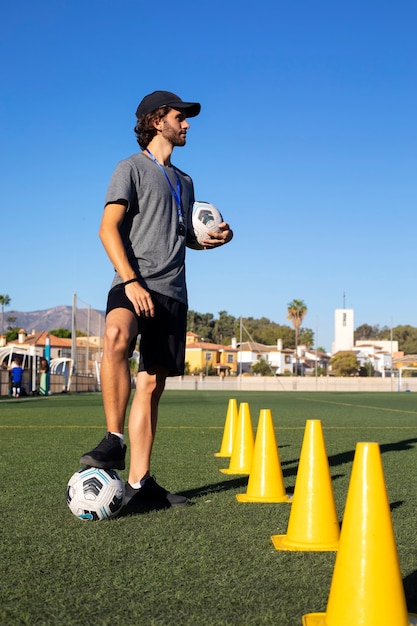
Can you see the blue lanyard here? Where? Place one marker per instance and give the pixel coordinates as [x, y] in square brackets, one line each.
[176, 193]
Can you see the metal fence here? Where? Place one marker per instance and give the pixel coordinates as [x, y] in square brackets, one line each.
[57, 384]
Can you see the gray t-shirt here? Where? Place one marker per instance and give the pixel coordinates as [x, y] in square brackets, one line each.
[150, 230]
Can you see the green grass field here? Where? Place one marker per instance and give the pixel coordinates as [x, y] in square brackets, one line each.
[212, 563]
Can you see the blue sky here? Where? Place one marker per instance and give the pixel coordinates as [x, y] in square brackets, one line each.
[306, 143]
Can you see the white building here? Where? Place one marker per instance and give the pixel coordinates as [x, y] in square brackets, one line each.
[377, 352]
[282, 361]
[343, 330]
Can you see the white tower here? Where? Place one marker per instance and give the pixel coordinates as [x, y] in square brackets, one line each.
[343, 330]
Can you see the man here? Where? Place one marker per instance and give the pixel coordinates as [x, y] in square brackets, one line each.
[145, 228]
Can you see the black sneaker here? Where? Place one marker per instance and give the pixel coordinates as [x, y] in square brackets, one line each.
[109, 454]
[152, 493]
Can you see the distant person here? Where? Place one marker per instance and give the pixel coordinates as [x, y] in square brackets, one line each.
[145, 228]
[43, 376]
[16, 376]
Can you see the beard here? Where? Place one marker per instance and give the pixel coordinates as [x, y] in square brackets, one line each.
[175, 137]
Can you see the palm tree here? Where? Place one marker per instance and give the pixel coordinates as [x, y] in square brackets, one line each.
[4, 301]
[296, 310]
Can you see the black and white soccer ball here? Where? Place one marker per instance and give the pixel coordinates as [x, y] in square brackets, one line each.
[206, 218]
[95, 494]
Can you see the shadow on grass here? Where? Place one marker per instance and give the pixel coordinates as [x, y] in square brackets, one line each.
[237, 483]
[410, 589]
[347, 457]
[225, 485]
[334, 460]
[396, 505]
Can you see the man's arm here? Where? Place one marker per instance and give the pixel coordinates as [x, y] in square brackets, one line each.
[109, 234]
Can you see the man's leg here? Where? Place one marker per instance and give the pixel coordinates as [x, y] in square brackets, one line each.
[120, 330]
[143, 420]
[142, 488]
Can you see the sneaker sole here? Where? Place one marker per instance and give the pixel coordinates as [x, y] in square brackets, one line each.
[182, 501]
[150, 503]
[92, 462]
[186, 503]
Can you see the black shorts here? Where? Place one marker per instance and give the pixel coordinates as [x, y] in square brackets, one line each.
[162, 338]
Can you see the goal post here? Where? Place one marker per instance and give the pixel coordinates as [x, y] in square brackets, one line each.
[400, 375]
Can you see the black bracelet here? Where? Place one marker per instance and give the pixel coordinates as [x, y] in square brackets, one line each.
[132, 280]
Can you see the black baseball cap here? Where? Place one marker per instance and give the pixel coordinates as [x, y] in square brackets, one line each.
[158, 99]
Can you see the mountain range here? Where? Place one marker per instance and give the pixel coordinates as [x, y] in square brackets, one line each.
[87, 320]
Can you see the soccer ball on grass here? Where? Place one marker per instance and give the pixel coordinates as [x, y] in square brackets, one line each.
[95, 494]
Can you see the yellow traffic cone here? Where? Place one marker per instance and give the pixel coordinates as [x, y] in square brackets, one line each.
[313, 523]
[243, 443]
[229, 430]
[266, 482]
[366, 588]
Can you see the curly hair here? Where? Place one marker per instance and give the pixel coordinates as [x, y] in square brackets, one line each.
[145, 130]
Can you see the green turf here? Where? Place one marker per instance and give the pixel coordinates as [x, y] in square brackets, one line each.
[212, 563]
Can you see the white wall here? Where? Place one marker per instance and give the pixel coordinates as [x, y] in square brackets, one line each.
[343, 330]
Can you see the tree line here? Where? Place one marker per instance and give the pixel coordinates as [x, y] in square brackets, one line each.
[406, 336]
[225, 327]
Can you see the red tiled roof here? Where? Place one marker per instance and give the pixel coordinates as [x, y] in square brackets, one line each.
[39, 339]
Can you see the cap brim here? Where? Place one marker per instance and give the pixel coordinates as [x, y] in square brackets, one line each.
[191, 109]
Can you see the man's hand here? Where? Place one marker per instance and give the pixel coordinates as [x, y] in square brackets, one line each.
[219, 239]
[141, 299]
